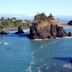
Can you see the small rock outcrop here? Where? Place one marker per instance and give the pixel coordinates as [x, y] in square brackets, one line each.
[20, 31]
[69, 34]
[46, 27]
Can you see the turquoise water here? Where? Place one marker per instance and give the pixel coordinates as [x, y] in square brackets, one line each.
[24, 55]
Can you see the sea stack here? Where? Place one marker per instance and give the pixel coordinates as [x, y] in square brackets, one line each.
[20, 31]
[46, 27]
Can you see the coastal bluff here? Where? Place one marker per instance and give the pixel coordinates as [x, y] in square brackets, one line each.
[46, 27]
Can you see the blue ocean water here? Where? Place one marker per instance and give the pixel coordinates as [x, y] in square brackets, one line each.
[24, 55]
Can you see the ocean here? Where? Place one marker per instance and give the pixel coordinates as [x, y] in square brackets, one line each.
[20, 54]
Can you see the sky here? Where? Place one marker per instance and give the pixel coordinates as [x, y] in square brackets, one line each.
[32, 7]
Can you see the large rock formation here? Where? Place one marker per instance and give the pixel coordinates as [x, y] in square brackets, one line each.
[46, 27]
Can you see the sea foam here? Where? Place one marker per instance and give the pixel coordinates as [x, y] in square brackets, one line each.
[3, 43]
[66, 37]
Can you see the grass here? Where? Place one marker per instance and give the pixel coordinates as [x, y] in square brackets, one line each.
[13, 23]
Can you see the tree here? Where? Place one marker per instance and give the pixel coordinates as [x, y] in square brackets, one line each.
[2, 18]
[51, 16]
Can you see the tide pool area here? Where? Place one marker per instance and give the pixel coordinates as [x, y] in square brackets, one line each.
[21, 54]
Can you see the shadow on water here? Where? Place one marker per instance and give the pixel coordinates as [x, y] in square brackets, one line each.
[67, 59]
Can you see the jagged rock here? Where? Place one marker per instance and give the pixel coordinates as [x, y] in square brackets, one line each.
[61, 32]
[20, 31]
[46, 27]
[53, 30]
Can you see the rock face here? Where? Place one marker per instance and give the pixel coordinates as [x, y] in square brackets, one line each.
[20, 31]
[46, 27]
[61, 32]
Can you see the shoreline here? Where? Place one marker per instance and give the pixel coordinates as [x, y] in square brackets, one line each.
[66, 37]
[67, 26]
[15, 29]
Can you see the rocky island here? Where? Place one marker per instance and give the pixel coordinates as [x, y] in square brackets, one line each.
[46, 27]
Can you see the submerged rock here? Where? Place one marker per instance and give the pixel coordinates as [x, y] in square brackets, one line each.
[46, 27]
[20, 31]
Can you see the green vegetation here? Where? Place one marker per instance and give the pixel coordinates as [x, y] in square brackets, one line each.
[13, 23]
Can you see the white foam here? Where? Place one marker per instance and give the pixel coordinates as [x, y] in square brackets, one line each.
[29, 69]
[34, 51]
[40, 39]
[3, 43]
[26, 30]
[67, 66]
[38, 69]
[47, 67]
[12, 31]
[41, 46]
[32, 63]
[66, 37]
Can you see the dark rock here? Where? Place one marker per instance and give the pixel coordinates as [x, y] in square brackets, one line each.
[38, 31]
[53, 30]
[3, 33]
[20, 31]
[69, 34]
[70, 22]
[71, 61]
[61, 32]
